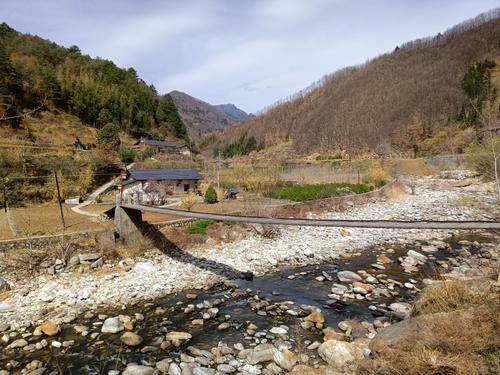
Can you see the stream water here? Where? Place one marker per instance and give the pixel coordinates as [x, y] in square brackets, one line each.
[237, 306]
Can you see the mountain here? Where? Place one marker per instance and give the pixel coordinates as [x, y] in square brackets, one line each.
[201, 117]
[39, 75]
[392, 102]
[233, 113]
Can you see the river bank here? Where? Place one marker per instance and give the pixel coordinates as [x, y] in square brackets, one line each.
[282, 321]
[68, 297]
[156, 273]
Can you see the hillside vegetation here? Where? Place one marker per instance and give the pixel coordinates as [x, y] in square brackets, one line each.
[391, 103]
[36, 74]
[201, 117]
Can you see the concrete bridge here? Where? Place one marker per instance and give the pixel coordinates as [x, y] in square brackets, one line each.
[130, 227]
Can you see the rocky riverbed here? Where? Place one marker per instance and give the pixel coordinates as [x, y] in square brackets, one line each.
[88, 323]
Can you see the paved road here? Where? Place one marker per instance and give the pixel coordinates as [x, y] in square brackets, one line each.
[386, 224]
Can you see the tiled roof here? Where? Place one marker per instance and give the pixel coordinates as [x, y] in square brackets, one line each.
[151, 142]
[164, 174]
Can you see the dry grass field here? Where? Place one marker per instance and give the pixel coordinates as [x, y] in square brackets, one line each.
[40, 220]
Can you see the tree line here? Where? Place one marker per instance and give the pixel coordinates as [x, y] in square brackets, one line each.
[36, 73]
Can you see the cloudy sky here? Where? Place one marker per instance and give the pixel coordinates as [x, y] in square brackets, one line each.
[248, 52]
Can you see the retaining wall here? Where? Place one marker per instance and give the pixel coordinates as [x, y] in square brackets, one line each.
[46, 241]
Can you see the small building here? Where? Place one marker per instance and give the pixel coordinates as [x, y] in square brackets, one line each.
[155, 185]
[232, 193]
[160, 146]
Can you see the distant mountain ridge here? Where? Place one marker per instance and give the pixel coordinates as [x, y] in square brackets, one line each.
[233, 113]
[201, 117]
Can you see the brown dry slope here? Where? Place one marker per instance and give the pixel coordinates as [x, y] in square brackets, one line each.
[201, 117]
[393, 98]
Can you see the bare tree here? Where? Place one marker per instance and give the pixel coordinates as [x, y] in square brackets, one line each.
[489, 121]
[161, 189]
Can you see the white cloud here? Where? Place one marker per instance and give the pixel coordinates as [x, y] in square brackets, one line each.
[249, 52]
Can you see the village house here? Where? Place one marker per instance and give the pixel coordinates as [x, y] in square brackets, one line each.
[161, 146]
[155, 185]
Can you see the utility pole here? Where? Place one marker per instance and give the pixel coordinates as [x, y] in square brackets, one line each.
[59, 200]
[218, 162]
[5, 194]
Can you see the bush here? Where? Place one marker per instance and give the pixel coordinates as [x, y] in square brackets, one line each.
[243, 146]
[211, 195]
[189, 200]
[148, 152]
[480, 158]
[109, 136]
[300, 193]
[200, 226]
[127, 155]
[377, 174]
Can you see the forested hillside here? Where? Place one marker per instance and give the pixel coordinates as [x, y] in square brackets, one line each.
[396, 101]
[36, 74]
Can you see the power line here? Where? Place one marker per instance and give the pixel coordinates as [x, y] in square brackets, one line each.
[23, 115]
[49, 176]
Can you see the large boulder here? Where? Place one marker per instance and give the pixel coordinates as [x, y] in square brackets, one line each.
[422, 328]
[340, 354]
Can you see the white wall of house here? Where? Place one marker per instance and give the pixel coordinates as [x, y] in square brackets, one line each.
[137, 189]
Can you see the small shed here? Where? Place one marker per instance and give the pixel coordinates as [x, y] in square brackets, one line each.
[232, 193]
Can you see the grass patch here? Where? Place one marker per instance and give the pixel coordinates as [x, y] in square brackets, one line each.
[452, 295]
[453, 331]
[200, 226]
[300, 193]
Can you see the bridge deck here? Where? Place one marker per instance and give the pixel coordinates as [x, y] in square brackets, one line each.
[387, 224]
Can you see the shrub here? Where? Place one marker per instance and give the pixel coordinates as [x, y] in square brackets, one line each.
[189, 200]
[211, 195]
[109, 136]
[200, 226]
[480, 158]
[377, 174]
[127, 155]
[148, 152]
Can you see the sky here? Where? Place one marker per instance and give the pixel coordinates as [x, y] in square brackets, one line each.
[248, 52]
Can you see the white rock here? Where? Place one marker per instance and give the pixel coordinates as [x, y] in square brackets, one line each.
[139, 370]
[112, 325]
[348, 276]
[145, 267]
[340, 353]
[5, 307]
[400, 307]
